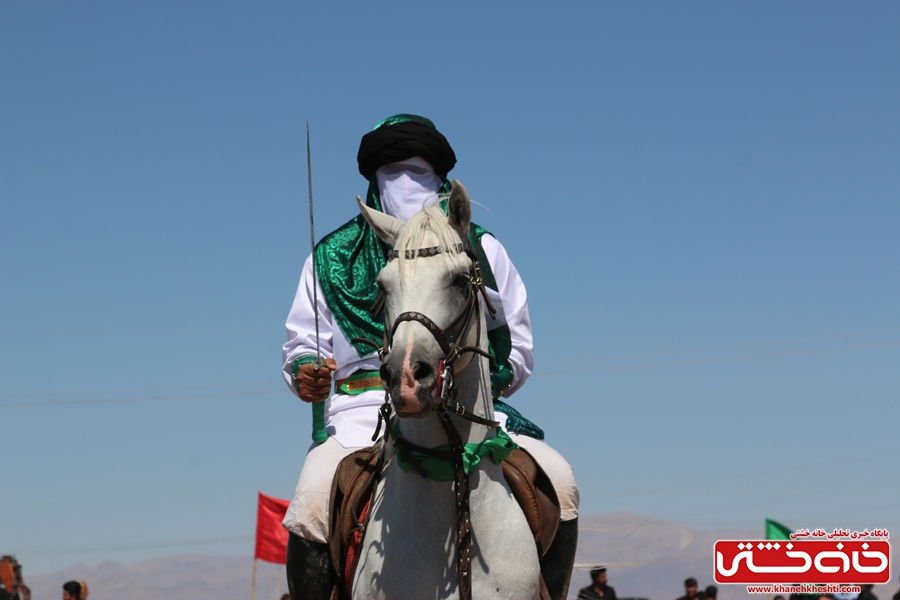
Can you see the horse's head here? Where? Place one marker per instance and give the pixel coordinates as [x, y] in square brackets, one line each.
[430, 303]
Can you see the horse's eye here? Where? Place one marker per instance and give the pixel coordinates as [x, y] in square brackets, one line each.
[461, 281]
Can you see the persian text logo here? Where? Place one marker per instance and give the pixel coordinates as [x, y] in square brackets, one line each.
[802, 561]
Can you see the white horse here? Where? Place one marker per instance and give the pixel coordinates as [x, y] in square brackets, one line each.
[409, 550]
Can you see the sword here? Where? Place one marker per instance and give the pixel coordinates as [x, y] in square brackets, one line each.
[320, 362]
[319, 434]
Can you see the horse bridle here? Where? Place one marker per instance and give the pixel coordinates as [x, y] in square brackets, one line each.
[448, 338]
[445, 390]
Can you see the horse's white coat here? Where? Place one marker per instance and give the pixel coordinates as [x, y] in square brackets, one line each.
[409, 549]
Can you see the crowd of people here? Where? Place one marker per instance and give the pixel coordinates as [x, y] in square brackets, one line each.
[600, 588]
[71, 590]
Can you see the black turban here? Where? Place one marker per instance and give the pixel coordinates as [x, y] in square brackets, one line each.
[401, 137]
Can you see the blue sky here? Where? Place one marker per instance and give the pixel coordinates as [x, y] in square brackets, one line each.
[702, 199]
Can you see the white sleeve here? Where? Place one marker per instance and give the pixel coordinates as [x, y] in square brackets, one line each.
[514, 309]
[301, 325]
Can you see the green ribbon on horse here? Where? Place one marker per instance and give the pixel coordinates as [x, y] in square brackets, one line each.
[441, 469]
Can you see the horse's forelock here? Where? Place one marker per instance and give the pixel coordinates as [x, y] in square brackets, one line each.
[429, 220]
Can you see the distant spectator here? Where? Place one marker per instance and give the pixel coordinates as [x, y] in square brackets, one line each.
[286, 597]
[690, 590]
[799, 596]
[866, 593]
[778, 598]
[71, 590]
[711, 592]
[846, 596]
[19, 591]
[598, 588]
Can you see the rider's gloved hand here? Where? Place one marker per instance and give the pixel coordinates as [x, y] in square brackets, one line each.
[315, 385]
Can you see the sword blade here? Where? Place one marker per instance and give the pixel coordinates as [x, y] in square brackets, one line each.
[312, 241]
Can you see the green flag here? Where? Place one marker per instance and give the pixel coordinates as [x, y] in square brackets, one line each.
[777, 531]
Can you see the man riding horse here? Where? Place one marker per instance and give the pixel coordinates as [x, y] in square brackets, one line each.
[406, 161]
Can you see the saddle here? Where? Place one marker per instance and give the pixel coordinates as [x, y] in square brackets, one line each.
[354, 483]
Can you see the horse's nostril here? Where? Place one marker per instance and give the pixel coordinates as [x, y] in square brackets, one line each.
[423, 370]
[385, 374]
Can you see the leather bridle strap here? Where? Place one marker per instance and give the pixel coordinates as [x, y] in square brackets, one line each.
[426, 252]
[463, 520]
[430, 325]
[456, 328]
[461, 492]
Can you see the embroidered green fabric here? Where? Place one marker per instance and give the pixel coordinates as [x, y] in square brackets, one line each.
[516, 422]
[440, 469]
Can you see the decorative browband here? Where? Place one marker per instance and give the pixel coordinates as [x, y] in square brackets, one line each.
[426, 252]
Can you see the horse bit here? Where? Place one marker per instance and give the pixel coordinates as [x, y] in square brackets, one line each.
[446, 392]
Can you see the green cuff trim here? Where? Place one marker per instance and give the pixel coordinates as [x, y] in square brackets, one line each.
[299, 361]
[440, 469]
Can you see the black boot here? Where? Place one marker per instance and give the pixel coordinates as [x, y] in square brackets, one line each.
[556, 566]
[309, 572]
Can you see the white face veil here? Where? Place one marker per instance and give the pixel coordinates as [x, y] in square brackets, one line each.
[407, 186]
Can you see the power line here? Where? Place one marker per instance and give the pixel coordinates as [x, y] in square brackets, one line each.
[69, 393]
[720, 359]
[219, 541]
[160, 398]
[241, 391]
[795, 341]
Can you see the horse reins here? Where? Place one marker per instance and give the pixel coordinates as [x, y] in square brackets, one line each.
[446, 392]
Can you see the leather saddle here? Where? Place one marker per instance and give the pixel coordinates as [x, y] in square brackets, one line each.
[354, 483]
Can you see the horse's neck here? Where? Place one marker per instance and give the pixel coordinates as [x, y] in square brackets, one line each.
[473, 391]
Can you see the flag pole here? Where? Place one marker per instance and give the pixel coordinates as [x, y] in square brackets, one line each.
[253, 582]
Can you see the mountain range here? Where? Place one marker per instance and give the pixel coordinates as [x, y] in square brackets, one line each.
[645, 558]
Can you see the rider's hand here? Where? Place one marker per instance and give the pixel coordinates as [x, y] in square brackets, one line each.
[313, 385]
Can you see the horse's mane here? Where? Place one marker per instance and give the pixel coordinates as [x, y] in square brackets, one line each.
[430, 219]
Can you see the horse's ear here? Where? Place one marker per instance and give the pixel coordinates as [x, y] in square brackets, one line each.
[385, 226]
[459, 208]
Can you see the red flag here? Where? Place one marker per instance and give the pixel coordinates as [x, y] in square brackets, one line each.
[271, 537]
